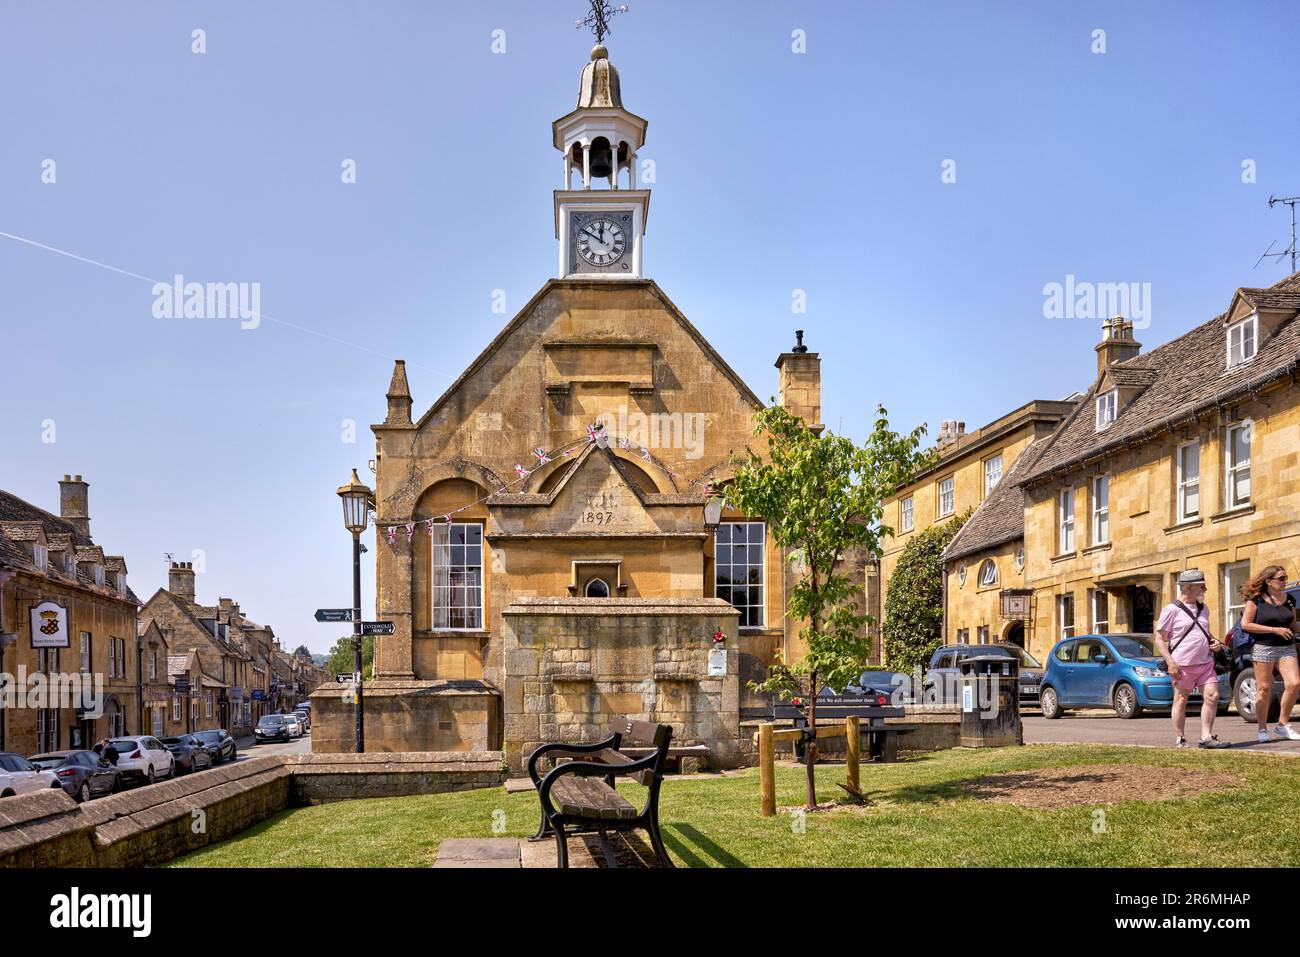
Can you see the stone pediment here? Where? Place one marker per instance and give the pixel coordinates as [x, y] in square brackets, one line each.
[596, 496]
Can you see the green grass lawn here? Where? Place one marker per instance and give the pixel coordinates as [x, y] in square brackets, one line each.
[920, 817]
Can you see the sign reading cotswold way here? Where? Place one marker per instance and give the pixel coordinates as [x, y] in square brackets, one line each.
[377, 628]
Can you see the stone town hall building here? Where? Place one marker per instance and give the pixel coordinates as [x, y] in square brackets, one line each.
[537, 607]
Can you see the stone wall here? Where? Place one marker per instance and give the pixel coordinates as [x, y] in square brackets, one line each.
[409, 715]
[151, 825]
[574, 666]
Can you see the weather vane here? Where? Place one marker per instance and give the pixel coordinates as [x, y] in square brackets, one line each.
[602, 11]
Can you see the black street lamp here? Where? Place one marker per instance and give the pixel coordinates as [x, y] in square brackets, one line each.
[356, 516]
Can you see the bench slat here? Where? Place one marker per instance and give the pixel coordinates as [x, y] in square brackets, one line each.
[590, 797]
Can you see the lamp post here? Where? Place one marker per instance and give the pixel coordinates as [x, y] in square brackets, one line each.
[356, 516]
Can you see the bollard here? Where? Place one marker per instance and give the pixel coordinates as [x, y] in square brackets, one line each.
[851, 732]
[766, 770]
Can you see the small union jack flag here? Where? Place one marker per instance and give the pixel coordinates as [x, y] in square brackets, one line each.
[594, 430]
[521, 471]
[645, 453]
[392, 534]
[429, 524]
[542, 457]
[410, 530]
[623, 443]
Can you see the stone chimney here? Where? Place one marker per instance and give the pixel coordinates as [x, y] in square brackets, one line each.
[1117, 343]
[74, 504]
[399, 397]
[225, 604]
[950, 430]
[180, 580]
[800, 383]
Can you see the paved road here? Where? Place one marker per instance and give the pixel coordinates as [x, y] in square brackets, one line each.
[247, 749]
[1155, 730]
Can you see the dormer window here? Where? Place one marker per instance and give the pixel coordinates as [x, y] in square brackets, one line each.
[1107, 408]
[41, 555]
[70, 564]
[121, 584]
[1243, 340]
[99, 574]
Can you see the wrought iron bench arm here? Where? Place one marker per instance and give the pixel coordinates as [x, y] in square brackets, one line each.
[611, 743]
[594, 769]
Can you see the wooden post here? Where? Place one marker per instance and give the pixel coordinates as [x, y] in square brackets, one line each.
[851, 732]
[766, 770]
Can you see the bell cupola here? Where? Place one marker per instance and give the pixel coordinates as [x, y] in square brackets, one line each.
[600, 214]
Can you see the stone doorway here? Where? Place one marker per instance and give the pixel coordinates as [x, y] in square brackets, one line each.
[1142, 604]
[1015, 633]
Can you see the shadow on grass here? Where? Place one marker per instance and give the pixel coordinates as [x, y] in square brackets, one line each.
[702, 843]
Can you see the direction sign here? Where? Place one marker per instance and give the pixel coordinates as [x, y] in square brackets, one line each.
[377, 628]
[333, 614]
[346, 677]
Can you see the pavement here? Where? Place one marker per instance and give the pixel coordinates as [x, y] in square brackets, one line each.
[1148, 730]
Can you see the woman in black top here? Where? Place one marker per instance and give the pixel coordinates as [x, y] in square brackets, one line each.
[1270, 618]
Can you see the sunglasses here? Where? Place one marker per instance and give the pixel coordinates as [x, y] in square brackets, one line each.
[1278, 578]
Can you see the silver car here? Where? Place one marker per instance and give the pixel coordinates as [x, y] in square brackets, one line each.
[20, 776]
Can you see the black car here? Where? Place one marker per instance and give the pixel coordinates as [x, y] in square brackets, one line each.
[894, 685]
[83, 774]
[271, 727]
[219, 743]
[191, 754]
[943, 677]
[1243, 673]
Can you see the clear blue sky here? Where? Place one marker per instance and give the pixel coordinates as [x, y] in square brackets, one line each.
[775, 172]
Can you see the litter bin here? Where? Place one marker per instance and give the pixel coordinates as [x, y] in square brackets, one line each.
[990, 702]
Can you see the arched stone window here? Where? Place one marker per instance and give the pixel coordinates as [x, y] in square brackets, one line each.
[597, 588]
[988, 573]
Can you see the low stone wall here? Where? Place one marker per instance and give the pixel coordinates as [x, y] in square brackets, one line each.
[930, 728]
[318, 778]
[154, 824]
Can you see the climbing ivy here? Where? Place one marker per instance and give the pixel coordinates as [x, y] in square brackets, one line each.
[913, 626]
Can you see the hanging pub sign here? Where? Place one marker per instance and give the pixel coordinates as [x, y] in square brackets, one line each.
[49, 625]
[1015, 602]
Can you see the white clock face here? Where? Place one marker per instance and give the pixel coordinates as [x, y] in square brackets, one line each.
[601, 242]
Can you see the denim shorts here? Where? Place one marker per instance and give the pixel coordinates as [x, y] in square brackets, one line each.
[1269, 653]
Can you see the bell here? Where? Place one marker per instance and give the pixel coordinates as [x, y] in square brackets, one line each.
[602, 160]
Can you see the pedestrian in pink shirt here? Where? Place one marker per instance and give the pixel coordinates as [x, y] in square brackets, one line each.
[1183, 639]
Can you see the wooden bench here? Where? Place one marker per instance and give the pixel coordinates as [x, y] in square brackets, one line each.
[578, 795]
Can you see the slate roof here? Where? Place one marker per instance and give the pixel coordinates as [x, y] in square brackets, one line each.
[21, 521]
[1000, 518]
[1189, 379]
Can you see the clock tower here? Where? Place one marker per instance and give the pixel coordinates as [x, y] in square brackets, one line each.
[600, 228]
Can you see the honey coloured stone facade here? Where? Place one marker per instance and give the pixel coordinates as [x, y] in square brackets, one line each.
[543, 579]
[46, 558]
[1197, 466]
[971, 475]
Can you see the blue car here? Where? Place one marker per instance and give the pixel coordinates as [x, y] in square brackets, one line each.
[1123, 672]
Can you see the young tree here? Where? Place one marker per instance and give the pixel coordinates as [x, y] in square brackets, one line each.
[822, 496]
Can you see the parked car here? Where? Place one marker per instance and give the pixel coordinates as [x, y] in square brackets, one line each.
[304, 715]
[143, 759]
[190, 753]
[219, 743]
[1243, 674]
[895, 685]
[295, 726]
[20, 776]
[271, 727]
[943, 678]
[83, 774]
[1122, 672]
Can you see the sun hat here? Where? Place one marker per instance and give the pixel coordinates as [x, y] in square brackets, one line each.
[1193, 576]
